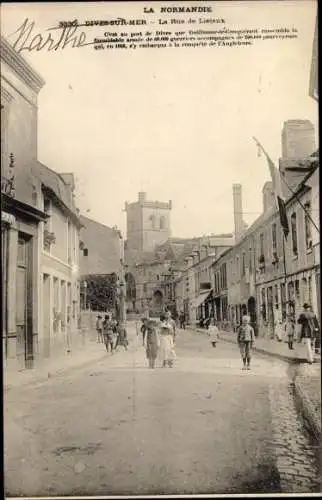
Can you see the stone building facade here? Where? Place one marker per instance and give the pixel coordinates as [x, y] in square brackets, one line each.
[59, 288]
[260, 281]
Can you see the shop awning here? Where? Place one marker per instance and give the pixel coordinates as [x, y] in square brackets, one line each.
[202, 297]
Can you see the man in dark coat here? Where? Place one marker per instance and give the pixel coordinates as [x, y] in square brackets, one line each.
[309, 330]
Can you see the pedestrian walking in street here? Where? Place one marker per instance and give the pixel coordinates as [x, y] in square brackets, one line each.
[144, 330]
[308, 331]
[152, 343]
[166, 350]
[213, 333]
[290, 331]
[121, 336]
[245, 340]
[182, 320]
[171, 322]
[109, 335]
[99, 329]
[279, 330]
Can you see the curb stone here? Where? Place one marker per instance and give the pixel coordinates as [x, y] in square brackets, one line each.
[306, 409]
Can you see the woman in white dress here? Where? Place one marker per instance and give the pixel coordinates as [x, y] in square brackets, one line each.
[166, 350]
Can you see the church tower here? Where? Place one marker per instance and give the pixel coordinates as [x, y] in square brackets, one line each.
[147, 223]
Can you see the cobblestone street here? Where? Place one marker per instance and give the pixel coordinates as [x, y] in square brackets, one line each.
[116, 427]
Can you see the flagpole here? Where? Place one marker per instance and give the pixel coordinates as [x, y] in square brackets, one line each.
[293, 193]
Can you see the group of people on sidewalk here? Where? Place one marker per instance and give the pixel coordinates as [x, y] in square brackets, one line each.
[309, 331]
[158, 337]
[111, 332]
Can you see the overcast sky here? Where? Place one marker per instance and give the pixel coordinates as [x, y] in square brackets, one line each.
[175, 123]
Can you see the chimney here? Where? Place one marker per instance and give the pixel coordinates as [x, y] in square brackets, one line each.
[268, 196]
[238, 210]
[142, 196]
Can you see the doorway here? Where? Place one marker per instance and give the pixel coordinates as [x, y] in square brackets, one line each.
[25, 344]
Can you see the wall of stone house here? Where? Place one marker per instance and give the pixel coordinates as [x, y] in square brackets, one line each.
[20, 137]
[104, 247]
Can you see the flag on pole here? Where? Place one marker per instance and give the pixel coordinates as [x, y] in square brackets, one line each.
[277, 188]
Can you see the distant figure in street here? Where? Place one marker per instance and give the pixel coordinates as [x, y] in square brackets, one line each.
[171, 322]
[121, 336]
[182, 320]
[213, 333]
[99, 329]
[166, 351]
[109, 335]
[245, 340]
[152, 343]
[279, 331]
[309, 330]
[290, 331]
[144, 329]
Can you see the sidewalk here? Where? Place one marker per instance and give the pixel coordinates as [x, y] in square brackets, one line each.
[81, 356]
[307, 381]
[83, 353]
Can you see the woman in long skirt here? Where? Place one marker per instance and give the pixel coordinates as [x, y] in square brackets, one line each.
[166, 351]
[152, 343]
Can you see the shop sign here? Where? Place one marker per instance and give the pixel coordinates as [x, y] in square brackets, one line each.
[8, 218]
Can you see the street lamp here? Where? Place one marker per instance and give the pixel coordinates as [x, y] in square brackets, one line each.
[85, 294]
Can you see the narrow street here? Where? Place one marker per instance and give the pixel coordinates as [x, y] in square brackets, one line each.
[116, 427]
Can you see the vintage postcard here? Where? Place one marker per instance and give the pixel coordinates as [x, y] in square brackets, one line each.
[161, 299]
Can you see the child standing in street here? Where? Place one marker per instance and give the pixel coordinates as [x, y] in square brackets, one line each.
[245, 340]
[213, 333]
[290, 331]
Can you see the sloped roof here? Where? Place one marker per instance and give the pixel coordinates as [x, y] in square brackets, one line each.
[52, 180]
[86, 221]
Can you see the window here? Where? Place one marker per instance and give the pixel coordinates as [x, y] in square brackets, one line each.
[69, 241]
[153, 221]
[261, 244]
[310, 289]
[274, 242]
[85, 252]
[144, 288]
[307, 225]
[162, 222]
[283, 300]
[276, 296]
[250, 259]
[294, 234]
[263, 304]
[47, 224]
[243, 264]
[237, 267]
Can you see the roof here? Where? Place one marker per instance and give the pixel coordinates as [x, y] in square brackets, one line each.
[87, 221]
[56, 184]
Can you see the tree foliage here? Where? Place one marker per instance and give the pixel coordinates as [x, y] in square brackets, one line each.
[101, 291]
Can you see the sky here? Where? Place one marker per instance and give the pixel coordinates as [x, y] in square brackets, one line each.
[176, 123]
